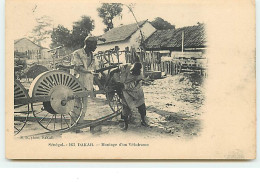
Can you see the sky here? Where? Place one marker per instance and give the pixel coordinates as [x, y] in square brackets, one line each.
[65, 13]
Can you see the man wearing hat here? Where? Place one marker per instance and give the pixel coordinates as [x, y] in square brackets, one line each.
[84, 65]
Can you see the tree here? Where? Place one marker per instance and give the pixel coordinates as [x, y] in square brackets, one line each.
[73, 39]
[108, 11]
[81, 30]
[42, 30]
[161, 24]
[60, 37]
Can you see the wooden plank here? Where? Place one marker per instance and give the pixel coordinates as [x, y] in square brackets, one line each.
[46, 98]
[34, 119]
[31, 100]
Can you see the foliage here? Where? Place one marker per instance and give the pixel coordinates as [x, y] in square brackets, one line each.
[42, 30]
[80, 31]
[60, 36]
[161, 24]
[108, 11]
[73, 39]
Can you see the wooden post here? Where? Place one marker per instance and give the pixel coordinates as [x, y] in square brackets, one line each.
[117, 53]
[167, 67]
[171, 67]
[151, 56]
[126, 56]
[182, 41]
[142, 57]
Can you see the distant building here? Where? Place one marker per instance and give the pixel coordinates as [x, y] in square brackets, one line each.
[125, 36]
[32, 50]
[191, 40]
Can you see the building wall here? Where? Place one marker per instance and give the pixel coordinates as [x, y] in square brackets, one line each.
[25, 45]
[134, 41]
[147, 30]
[122, 45]
[31, 49]
[45, 54]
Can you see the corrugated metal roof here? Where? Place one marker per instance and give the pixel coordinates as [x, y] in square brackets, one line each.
[194, 36]
[120, 33]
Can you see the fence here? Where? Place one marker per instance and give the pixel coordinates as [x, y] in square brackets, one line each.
[173, 66]
[152, 60]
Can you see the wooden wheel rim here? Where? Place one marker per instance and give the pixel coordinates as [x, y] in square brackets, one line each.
[59, 85]
[20, 110]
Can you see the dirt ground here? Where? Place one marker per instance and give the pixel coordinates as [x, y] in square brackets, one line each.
[173, 104]
[173, 110]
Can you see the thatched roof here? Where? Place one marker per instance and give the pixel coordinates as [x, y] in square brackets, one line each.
[120, 33]
[194, 37]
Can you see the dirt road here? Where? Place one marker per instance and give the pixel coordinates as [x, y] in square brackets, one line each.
[173, 110]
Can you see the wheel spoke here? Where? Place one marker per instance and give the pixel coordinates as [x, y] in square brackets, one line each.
[16, 128]
[65, 121]
[39, 112]
[44, 117]
[74, 113]
[54, 121]
[20, 110]
[71, 118]
[61, 121]
[49, 122]
[52, 82]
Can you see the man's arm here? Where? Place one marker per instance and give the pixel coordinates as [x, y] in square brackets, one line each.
[114, 70]
[82, 69]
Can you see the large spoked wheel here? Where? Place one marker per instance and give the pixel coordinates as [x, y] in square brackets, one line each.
[64, 108]
[21, 109]
[114, 101]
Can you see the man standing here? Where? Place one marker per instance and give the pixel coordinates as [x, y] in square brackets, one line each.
[84, 65]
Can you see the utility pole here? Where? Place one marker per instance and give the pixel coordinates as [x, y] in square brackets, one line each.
[142, 47]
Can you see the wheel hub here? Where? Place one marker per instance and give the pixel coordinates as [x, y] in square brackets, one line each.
[60, 101]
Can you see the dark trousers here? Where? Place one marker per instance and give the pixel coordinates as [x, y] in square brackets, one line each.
[126, 111]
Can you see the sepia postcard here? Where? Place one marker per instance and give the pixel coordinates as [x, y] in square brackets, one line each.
[125, 79]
